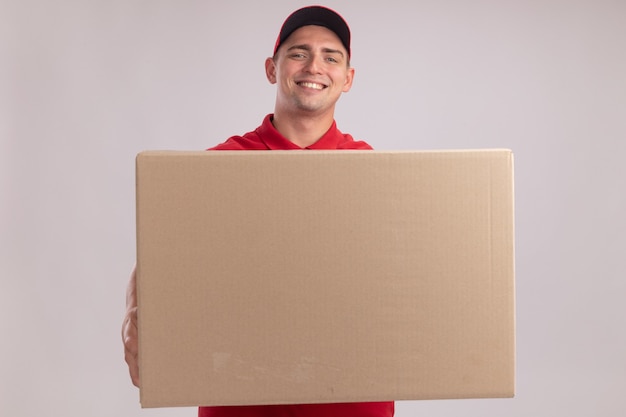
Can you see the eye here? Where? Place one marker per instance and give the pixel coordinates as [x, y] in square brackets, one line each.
[333, 59]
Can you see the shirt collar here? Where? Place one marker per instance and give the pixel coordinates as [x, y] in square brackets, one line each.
[276, 141]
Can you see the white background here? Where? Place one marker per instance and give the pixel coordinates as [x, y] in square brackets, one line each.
[85, 85]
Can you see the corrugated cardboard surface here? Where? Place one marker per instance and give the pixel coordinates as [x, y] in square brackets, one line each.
[324, 276]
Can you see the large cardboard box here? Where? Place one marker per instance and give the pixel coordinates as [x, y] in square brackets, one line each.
[324, 276]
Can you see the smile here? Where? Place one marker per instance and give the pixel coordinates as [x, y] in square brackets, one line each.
[314, 86]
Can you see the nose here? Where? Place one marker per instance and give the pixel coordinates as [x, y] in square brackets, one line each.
[313, 64]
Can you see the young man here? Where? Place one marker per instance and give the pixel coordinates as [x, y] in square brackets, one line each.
[311, 69]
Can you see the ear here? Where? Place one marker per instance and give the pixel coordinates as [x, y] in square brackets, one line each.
[349, 78]
[270, 70]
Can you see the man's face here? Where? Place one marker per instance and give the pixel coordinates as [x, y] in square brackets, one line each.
[311, 70]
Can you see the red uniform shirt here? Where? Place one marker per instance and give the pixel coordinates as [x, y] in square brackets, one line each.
[266, 137]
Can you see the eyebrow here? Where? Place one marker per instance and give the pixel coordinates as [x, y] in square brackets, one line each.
[308, 48]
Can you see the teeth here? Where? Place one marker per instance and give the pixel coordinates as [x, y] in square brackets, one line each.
[312, 85]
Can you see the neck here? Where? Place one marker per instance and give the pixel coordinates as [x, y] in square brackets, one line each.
[302, 130]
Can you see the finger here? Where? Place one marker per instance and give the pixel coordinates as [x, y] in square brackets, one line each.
[133, 366]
